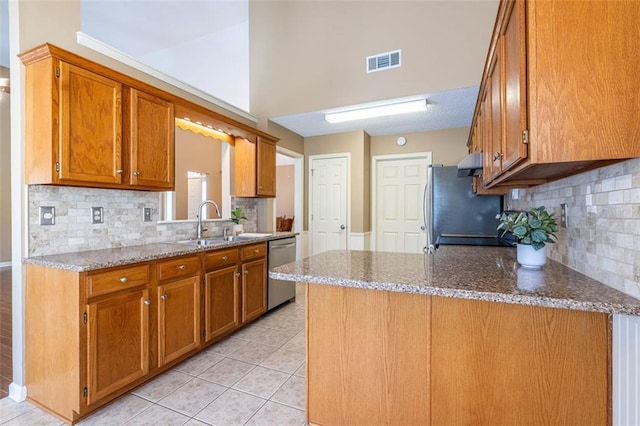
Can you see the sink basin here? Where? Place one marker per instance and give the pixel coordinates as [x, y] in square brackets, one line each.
[214, 240]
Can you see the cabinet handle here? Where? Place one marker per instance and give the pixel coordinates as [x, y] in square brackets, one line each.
[225, 257]
[182, 267]
[497, 155]
[163, 297]
[246, 272]
[119, 171]
[147, 302]
[237, 274]
[136, 173]
[124, 280]
[256, 251]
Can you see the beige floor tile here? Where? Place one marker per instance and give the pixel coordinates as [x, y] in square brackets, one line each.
[162, 385]
[284, 360]
[158, 415]
[10, 409]
[262, 382]
[199, 363]
[119, 412]
[253, 353]
[35, 417]
[266, 336]
[291, 393]
[302, 371]
[227, 372]
[230, 408]
[194, 422]
[228, 345]
[193, 396]
[276, 414]
[296, 344]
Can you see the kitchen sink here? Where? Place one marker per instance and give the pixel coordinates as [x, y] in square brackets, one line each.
[214, 240]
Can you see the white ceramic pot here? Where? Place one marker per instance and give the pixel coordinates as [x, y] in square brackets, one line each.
[238, 229]
[530, 258]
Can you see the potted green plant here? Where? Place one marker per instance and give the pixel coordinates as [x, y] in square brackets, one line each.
[236, 217]
[532, 230]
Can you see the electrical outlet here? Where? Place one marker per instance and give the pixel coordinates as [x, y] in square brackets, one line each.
[146, 216]
[563, 215]
[97, 215]
[47, 215]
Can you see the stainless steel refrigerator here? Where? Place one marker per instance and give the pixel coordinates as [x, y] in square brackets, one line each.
[453, 214]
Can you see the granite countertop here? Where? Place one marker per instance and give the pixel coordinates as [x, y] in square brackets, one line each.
[481, 273]
[106, 258]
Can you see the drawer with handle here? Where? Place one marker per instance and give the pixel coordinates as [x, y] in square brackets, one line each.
[118, 279]
[219, 258]
[178, 267]
[254, 251]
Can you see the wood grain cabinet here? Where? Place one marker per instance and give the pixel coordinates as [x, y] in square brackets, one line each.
[254, 281]
[85, 128]
[221, 293]
[255, 168]
[563, 93]
[178, 302]
[399, 358]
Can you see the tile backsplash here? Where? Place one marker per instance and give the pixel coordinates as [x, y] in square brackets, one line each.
[123, 224]
[602, 239]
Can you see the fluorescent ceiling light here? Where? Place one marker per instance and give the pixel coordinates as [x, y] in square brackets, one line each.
[377, 111]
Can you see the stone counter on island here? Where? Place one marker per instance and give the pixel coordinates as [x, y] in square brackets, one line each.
[462, 337]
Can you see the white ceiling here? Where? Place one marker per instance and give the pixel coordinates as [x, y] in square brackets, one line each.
[445, 110]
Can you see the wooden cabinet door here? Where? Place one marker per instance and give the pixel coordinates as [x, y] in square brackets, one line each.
[514, 148]
[151, 141]
[178, 318]
[495, 112]
[266, 174]
[254, 289]
[117, 351]
[499, 363]
[221, 302]
[245, 168]
[90, 141]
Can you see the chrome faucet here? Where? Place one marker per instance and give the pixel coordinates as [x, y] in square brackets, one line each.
[199, 227]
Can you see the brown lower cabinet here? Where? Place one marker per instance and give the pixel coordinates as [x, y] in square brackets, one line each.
[92, 336]
[398, 358]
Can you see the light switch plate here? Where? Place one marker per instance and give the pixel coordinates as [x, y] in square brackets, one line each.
[146, 216]
[47, 215]
[563, 215]
[97, 215]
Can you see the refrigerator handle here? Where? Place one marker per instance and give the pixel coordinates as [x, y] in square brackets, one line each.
[427, 212]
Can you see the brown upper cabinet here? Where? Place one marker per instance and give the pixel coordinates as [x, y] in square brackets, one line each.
[255, 168]
[562, 90]
[87, 128]
[88, 125]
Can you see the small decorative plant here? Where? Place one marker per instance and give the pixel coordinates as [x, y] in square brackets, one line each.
[236, 215]
[536, 227]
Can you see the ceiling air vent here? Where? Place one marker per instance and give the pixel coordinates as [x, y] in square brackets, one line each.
[383, 61]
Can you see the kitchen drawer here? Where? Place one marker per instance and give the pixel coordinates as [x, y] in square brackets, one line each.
[118, 279]
[219, 258]
[253, 251]
[179, 267]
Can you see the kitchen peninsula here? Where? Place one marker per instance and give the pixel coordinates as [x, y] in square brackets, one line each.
[462, 337]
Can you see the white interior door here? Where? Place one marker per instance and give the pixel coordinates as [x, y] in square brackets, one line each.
[398, 206]
[329, 203]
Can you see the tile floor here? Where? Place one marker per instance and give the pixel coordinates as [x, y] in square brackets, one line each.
[254, 377]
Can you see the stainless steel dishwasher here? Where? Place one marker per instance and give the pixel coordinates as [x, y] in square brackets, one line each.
[278, 291]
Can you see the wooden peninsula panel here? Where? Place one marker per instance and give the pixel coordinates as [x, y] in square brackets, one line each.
[499, 363]
[367, 357]
[393, 358]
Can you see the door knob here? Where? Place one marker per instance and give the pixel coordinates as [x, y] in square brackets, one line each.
[342, 227]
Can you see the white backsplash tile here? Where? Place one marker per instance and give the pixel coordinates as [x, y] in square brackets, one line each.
[603, 236]
[123, 224]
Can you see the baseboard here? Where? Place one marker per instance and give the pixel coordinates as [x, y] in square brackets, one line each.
[17, 393]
